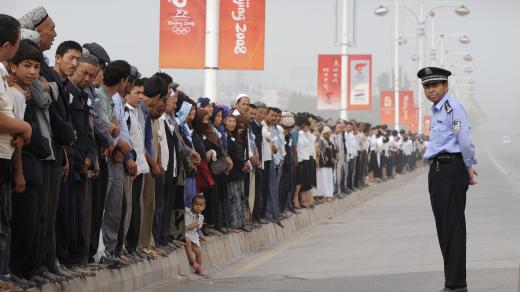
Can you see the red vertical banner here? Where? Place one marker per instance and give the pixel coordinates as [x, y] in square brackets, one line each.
[359, 83]
[427, 122]
[413, 126]
[329, 82]
[405, 107]
[387, 109]
[242, 34]
[182, 34]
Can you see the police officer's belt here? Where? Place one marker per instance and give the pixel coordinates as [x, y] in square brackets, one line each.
[445, 157]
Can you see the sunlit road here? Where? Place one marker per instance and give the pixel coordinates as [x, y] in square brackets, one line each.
[389, 243]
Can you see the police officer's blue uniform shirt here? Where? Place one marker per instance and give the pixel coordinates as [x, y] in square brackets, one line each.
[450, 131]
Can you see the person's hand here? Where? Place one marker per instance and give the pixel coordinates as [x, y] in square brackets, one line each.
[45, 84]
[27, 132]
[156, 170]
[105, 151]
[65, 169]
[86, 165]
[202, 238]
[123, 146]
[10, 80]
[208, 156]
[275, 150]
[195, 157]
[131, 167]
[229, 163]
[255, 160]
[246, 168]
[162, 170]
[19, 183]
[95, 173]
[472, 176]
[18, 141]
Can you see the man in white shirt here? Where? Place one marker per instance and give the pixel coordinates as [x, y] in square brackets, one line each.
[270, 186]
[352, 153]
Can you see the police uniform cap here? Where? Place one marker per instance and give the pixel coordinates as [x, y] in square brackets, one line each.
[430, 75]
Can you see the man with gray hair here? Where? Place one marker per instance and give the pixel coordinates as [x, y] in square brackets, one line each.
[74, 205]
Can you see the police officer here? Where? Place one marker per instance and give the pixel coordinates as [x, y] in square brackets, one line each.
[451, 155]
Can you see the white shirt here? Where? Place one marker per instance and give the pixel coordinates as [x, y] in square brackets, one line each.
[7, 104]
[163, 143]
[352, 145]
[136, 134]
[301, 147]
[311, 145]
[267, 154]
[408, 148]
[372, 143]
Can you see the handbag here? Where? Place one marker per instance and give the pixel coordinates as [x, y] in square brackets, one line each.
[219, 166]
[204, 179]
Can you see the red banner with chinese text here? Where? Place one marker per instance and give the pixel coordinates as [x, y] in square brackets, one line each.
[387, 109]
[413, 124]
[329, 82]
[242, 34]
[406, 107]
[359, 83]
[426, 128]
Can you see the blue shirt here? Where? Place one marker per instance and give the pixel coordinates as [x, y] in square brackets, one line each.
[146, 123]
[450, 131]
[119, 110]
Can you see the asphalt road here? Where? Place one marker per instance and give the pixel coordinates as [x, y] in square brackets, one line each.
[390, 244]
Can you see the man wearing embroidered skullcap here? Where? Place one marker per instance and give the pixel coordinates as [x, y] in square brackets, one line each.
[451, 155]
[39, 20]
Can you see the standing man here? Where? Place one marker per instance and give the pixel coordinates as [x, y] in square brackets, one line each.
[452, 155]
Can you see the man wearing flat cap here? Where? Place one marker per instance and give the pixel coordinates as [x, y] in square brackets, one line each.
[451, 155]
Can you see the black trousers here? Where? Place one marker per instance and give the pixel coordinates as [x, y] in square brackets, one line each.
[448, 184]
[134, 230]
[259, 196]
[170, 191]
[70, 220]
[351, 173]
[159, 207]
[99, 192]
[28, 228]
[5, 214]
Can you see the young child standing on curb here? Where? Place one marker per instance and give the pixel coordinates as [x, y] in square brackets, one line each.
[193, 221]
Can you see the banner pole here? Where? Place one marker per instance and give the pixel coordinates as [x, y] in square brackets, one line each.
[344, 60]
[211, 51]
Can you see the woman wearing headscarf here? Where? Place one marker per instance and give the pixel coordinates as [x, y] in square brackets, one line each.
[206, 143]
[236, 140]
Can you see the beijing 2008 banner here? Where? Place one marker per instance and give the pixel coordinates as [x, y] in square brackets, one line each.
[242, 34]
[387, 109]
[426, 128]
[406, 108]
[329, 82]
[182, 34]
[359, 82]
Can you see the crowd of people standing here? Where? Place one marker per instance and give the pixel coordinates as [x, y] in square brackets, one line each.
[89, 148]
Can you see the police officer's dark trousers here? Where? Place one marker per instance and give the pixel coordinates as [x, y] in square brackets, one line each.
[447, 184]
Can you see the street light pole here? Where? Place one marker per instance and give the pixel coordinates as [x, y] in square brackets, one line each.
[344, 59]
[211, 52]
[396, 65]
[421, 64]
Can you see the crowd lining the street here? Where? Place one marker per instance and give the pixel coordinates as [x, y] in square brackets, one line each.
[89, 148]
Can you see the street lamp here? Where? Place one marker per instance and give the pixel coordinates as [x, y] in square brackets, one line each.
[421, 18]
[381, 10]
[468, 57]
[468, 70]
[462, 10]
[464, 39]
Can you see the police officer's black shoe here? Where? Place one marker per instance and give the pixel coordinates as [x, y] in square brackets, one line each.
[461, 289]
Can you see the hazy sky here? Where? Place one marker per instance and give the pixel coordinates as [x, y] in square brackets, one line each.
[296, 32]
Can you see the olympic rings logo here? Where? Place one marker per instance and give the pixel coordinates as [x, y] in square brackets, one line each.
[180, 30]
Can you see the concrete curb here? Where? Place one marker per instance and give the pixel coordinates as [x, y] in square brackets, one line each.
[221, 251]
